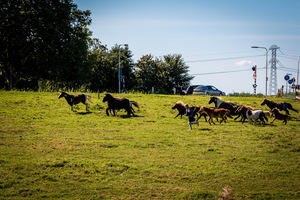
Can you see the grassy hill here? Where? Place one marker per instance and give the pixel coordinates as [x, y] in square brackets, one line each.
[48, 151]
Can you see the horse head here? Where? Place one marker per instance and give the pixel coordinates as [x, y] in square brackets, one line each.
[62, 94]
[105, 98]
[212, 99]
[265, 101]
[174, 106]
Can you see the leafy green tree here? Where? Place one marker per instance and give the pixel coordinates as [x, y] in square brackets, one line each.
[162, 74]
[44, 40]
[176, 72]
[105, 66]
[148, 73]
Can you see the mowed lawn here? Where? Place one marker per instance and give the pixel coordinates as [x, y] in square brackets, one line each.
[48, 151]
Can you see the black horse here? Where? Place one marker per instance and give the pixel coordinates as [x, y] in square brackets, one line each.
[116, 103]
[281, 106]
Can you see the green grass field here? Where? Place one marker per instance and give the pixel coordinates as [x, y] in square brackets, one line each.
[48, 151]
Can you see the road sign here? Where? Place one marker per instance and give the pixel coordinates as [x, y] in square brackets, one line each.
[286, 77]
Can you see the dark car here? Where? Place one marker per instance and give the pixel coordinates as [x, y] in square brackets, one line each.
[190, 89]
[208, 90]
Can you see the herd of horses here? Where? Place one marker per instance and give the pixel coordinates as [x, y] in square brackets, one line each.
[224, 109]
[221, 109]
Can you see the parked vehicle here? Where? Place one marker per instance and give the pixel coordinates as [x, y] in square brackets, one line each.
[208, 90]
[190, 89]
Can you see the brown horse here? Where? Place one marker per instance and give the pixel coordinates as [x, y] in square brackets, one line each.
[242, 112]
[116, 103]
[181, 110]
[216, 113]
[180, 107]
[73, 100]
[280, 116]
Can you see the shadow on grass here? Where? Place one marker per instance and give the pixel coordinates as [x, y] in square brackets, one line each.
[129, 116]
[205, 129]
[83, 113]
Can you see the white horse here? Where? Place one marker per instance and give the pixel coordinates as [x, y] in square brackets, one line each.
[218, 101]
[255, 115]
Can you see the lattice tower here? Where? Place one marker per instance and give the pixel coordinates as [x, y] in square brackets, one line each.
[273, 73]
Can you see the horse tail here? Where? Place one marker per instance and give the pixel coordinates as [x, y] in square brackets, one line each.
[89, 97]
[135, 104]
[289, 106]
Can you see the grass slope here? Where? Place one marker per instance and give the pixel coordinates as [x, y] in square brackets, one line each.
[48, 151]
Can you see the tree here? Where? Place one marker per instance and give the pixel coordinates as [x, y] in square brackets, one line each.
[162, 74]
[176, 75]
[105, 66]
[148, 73]
[44, 40]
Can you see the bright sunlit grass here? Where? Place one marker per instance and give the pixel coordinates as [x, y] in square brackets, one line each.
[48, 151]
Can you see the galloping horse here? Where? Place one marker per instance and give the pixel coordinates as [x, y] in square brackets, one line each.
[215, 113]
[255, 115]
[180, 107]
[182, 110]
[281, 106]
[280, 116]
[116, 103]
[217, 101]
[73, 100]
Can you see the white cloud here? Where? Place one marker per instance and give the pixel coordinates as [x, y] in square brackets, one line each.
[245, 63]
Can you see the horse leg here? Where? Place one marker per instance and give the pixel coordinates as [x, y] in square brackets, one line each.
[237, 117]
[273, 120]
[107, 111]
[115, 112]
[250, 121]
[86, 106]
[287, 111]
[211, 119]
[72, 107]
[177, 115]
[262, 120]
[128, 111]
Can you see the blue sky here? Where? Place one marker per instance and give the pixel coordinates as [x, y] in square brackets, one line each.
[212, 36]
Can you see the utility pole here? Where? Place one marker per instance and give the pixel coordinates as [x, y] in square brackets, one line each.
[120, 69]
[266, 65]
[254, 77]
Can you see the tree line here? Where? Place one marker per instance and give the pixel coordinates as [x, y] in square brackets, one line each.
[47, 44]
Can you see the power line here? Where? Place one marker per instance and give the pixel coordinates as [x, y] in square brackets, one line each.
[293, 58]
[223, 72]
[220, 59]
[290, 56]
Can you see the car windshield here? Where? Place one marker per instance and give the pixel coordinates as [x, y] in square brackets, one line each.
[213, 88]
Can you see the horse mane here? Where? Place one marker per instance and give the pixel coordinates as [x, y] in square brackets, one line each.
[107, 94]
[219, 98]
[214, 97]
[179, 103]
